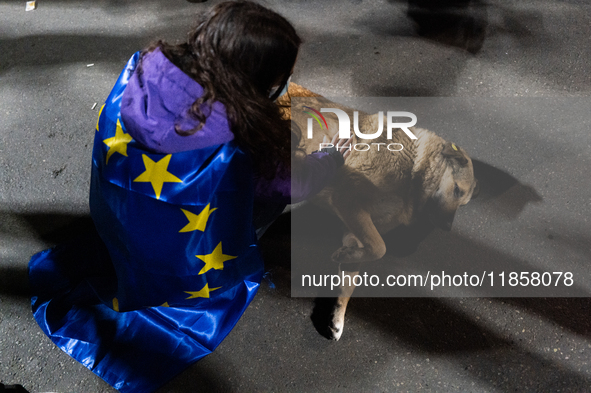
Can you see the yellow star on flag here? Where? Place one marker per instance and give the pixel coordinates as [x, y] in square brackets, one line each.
[157, 174]
[197, 221]
[118, 143]
[215, 260]
[203, 292]
[99, 117]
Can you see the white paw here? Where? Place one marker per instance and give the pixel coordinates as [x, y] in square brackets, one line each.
[336, 328]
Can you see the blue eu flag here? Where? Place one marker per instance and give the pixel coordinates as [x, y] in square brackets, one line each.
[173, 264]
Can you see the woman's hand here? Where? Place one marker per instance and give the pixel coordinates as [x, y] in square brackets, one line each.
[342, 145]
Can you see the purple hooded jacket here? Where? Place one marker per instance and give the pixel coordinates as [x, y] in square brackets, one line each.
[158, 99]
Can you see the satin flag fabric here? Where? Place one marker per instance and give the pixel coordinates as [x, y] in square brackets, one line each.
[169, 271]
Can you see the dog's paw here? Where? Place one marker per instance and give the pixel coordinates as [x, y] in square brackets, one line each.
[328, 317]
[348, 254]
[335, 329]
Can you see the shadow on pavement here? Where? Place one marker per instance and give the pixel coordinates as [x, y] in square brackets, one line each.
[459, 23]
[571, 313]
[48, 227]
[40, 50]
[57, 228]
[14, 281]
[509, 194]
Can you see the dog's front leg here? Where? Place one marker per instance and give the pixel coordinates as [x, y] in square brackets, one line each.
[347, 273]
[369, 245]
[346, 289]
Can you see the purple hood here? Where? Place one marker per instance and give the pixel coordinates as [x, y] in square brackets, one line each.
[158, 99]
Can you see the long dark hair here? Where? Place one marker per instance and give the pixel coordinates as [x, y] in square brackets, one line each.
[237, 52]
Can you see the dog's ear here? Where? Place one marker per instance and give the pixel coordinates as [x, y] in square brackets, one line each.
[452, 152]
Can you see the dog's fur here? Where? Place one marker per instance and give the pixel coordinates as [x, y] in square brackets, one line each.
[375, 191]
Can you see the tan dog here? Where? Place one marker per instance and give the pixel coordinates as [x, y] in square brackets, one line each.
[376, 191]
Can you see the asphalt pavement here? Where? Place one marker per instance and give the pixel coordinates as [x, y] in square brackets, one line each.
[517, 78]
